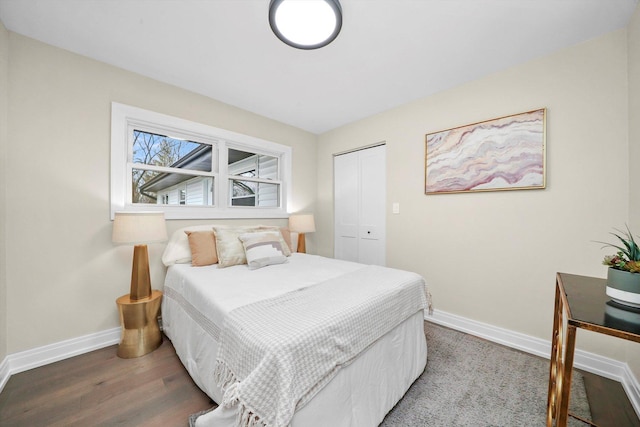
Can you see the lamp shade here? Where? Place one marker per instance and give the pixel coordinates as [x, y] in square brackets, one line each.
[139, 227]
[302, 223]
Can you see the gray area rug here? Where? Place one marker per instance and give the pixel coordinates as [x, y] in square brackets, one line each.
[470, 381]
[474, 382]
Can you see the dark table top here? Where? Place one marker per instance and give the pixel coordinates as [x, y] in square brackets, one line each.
[591, 308]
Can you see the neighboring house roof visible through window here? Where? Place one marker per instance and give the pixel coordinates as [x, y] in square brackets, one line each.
[197, 159]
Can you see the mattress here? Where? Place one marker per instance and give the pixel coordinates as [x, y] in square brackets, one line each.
[197, 299]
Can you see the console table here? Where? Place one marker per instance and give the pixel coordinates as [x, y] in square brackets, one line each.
[581, 302]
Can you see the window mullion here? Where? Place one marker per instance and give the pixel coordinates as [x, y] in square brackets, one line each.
[164, 169]
[223, 182]
[251, 179]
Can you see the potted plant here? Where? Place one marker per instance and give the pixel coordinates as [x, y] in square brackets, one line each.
[623, 276]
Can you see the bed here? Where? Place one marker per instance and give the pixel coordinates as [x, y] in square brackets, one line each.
[366, 379]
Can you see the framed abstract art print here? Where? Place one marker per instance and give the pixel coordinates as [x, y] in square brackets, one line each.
[507, 153]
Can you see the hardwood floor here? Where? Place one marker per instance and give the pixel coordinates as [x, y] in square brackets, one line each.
[100, 389]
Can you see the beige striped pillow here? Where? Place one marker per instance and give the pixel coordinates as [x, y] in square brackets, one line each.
[263, 248]
[229, 247]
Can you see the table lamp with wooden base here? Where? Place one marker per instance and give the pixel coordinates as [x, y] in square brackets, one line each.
[301, 224]
[139, 309]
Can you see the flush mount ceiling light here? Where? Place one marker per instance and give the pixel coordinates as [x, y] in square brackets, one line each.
[305, 24]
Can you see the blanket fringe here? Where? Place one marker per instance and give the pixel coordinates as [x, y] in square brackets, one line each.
[229, 385]
[231, 395]
[223, 376]
[247, 418]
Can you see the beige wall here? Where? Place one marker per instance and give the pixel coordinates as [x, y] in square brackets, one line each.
[633, 37]
[4, 71]
[63, 273]
[487, 256]
[492, 257]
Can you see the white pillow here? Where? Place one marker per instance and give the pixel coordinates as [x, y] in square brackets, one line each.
[263, 248]
[177, 250]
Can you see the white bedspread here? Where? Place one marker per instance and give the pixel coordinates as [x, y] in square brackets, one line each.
[197, 300]
[232, 287]
[275, 354]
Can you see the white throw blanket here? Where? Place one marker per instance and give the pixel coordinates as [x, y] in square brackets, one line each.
[276, 354]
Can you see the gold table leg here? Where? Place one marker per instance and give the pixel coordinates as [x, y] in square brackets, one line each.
[562, 412]
[561, 368]
[556, 360]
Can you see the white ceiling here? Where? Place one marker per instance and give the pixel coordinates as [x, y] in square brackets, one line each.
[389, 52]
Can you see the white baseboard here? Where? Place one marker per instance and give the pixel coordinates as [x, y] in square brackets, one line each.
[632, 388]
[4, 372]
[590, 362]
[40, 356]
[502, 336]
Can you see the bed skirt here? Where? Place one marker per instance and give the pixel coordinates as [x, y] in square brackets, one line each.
[360, 395]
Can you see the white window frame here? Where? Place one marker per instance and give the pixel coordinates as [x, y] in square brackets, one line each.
[124, 118]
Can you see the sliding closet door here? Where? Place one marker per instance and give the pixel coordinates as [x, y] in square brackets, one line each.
[346, 188]
[359, 201]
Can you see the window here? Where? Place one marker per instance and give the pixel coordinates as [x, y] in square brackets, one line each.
[251, 179]
[162, 165]
[190, 170]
